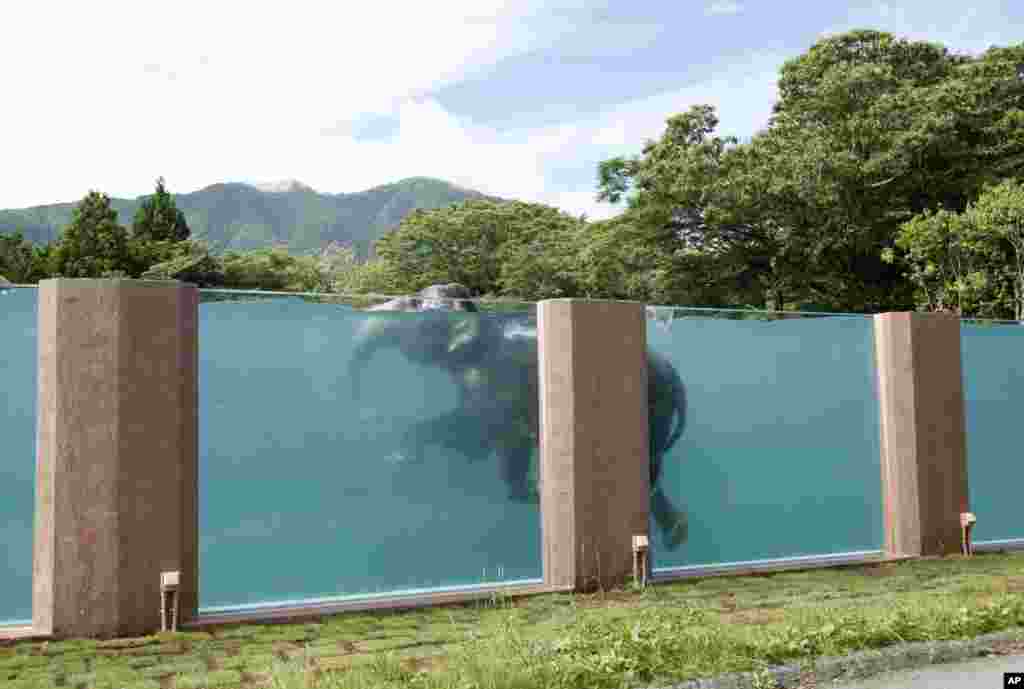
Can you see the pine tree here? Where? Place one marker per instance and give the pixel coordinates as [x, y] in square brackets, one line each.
[94, 244]
[159, 219]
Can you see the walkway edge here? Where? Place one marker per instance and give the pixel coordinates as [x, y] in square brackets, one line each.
[860, 665]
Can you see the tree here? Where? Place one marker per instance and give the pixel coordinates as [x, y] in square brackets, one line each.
[490, 247]
[997, 236]
[17, 259]
[873, 131]
[188, 261]
[375, 276]
[940, 262]
[93, 244]
[699, 202]
[542, 265]
[337, 268]
[970, 263]
[159, 219]
[868, 132]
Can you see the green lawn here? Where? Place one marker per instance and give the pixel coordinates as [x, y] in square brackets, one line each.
[670, 631]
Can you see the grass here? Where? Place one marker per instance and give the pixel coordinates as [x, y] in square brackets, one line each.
[611, 639]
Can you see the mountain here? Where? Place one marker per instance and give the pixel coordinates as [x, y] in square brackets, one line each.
[281, 186]
[238, 217]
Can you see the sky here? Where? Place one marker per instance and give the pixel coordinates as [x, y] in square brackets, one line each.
[516, 99]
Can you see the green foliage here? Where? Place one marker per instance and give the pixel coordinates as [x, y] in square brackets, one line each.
[607, 653]
[670, 632]
[19, 260]
[337, 262]
[997, 220]
[868, 132]
[94, 244]
[372, 277]
[940, 261]
[187, 261]
[969, 262]
[144, 254]
[490, 247]
[273, 269]
[667, 644]
[539, 259]
[159, 219]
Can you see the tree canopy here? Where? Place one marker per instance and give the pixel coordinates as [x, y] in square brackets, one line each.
[970, 262]
[868, 132]
[490, 247]
[94, 244]
[159, 219]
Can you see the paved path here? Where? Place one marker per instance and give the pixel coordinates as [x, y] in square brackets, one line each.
[985, 673]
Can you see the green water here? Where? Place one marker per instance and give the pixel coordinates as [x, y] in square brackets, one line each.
[311, 489]
[993, 370]
[17, 451]
[308, 491]
[780, 453]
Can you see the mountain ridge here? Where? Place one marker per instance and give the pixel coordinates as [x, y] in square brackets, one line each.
[239, 216]
[281, 186]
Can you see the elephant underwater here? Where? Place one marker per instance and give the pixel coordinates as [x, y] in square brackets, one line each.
[492, 359]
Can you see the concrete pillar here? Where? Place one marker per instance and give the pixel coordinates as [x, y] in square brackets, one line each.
[117, 455]
[924, 452]
[594, 447]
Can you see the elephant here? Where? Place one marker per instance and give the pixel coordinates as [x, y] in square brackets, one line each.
[492, 359]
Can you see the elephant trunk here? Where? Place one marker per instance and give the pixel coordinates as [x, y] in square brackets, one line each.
[425, 338]
[374, 336]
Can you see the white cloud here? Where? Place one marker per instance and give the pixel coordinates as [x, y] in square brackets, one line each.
[261, 114]
[520, 164]
[724, 7]
[229, 91]
[211, 89]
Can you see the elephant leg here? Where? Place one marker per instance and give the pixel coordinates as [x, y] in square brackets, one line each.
[413, 442]
[453, 430]
[514, 457]
[670, 520]
[437, 431]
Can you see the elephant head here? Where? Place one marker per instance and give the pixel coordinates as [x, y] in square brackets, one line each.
[430, 339]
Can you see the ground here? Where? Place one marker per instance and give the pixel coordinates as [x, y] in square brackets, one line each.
[761, 611]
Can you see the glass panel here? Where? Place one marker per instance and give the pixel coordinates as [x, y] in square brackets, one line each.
[993, 370]
[779, 453]
[18, 365]
[316, 485]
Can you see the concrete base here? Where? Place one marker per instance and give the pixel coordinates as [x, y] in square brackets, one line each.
[924, 445]
[594, 447]
[117, 455]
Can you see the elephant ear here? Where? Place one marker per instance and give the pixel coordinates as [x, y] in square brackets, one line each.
[465, 329]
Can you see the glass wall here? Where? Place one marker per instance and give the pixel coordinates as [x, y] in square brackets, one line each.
[778, 456]
[18, 365]
[993, 370]
[345, 452]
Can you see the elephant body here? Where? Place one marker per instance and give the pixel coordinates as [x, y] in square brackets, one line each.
[492, 359]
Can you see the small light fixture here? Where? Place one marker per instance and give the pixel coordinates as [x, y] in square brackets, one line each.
[1020, 71]
[967, 522]
[640, 549]
[169, 589]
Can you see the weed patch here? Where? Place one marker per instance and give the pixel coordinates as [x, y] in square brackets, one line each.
[664, 633]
